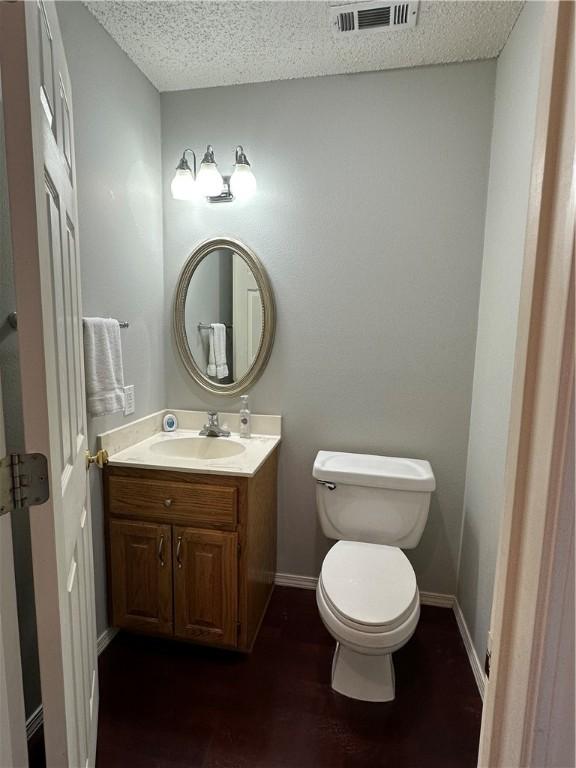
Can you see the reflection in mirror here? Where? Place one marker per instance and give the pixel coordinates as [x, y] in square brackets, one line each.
[223, 316]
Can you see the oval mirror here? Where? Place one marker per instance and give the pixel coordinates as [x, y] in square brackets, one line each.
[224, 316]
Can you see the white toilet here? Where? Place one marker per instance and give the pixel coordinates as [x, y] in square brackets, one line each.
[367, 593]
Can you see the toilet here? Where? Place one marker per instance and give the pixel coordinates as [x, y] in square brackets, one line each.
[374, 506]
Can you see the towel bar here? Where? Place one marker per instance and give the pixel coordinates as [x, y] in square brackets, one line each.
[12, 320]
[208, 327]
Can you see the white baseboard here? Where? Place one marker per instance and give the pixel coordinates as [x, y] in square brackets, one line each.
[105, 639]
[438, 599]
[291, 580]
[37, 717]
[477, 667]
[34, 722]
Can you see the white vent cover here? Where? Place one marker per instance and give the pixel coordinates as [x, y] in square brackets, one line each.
[354, 18]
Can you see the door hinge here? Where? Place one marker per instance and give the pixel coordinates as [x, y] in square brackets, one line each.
[23, 481]
[488, 657]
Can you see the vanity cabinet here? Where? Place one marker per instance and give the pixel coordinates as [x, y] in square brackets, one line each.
[141, 569]
[206, 585]
[189, 555]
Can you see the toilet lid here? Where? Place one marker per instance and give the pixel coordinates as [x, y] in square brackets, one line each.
[370, 584]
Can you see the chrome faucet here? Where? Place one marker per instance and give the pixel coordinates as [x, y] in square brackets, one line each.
[213, 428]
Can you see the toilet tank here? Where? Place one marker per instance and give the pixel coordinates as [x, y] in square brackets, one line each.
[376, 499]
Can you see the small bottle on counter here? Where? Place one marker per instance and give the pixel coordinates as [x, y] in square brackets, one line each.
[244, 417]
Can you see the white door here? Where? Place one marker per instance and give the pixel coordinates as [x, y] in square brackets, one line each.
[13, 750]
[41, 184]
[247, 316]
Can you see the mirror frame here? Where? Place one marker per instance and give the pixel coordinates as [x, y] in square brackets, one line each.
[268, 316]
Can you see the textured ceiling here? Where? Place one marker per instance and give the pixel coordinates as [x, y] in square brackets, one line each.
[198, 44]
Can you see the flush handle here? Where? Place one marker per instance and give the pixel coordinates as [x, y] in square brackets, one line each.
[326, 484]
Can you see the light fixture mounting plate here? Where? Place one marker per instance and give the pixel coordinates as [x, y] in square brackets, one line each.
[225, 196]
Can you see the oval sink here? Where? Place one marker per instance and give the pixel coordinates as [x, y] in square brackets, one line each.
[198, 448]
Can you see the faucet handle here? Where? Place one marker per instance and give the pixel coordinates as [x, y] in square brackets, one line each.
[213, 418]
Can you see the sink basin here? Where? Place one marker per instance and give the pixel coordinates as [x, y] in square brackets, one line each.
[198, 448]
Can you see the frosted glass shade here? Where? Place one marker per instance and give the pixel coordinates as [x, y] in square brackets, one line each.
[183, 186]
[209, 180]
[242, 182]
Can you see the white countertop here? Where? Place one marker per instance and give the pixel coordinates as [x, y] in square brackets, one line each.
[134, 445]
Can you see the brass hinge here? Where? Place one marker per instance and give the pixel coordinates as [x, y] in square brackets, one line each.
[23, 481]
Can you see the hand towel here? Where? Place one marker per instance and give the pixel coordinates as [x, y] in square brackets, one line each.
[103, 364]
[217, 364]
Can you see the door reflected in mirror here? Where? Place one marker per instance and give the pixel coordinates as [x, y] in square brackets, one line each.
[224, 316]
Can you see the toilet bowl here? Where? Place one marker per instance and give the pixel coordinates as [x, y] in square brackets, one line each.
[369, 602]
[367, 594]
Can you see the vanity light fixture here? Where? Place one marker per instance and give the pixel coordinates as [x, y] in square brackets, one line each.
[209, 179]
[209, 182]
[184, 185]
[242, 181]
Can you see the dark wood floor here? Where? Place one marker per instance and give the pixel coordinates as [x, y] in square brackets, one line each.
[172, 705]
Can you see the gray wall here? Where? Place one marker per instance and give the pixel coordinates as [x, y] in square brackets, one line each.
[117, 131]
[510, 164]
[369, 219]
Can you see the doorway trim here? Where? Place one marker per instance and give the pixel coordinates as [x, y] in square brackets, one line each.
[538, 431]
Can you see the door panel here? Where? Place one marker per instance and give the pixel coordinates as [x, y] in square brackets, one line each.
[206, 585]
[141, 576]
[12, 718]
[39, 132]
[46, 61]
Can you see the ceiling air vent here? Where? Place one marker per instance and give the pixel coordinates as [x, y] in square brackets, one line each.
[378, 16]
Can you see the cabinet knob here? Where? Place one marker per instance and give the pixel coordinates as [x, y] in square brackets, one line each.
[167, 503]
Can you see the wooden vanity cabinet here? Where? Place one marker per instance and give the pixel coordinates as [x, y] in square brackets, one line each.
[191, 556]
[206, 585]
[141, 561]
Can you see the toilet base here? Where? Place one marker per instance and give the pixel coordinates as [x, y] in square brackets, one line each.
[361, 676]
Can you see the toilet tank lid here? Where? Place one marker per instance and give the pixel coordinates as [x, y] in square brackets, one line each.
[374, 471]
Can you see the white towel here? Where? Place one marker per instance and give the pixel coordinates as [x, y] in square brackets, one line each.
[217, 365]
[103, 364]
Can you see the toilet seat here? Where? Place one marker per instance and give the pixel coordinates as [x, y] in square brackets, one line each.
[370, 588]
[355, 637]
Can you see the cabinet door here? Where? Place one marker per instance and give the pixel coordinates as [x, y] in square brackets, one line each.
[206, 585]
[141, 576]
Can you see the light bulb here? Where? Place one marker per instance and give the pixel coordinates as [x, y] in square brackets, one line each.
[183, 186]
[209, 180]
[242, 182]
